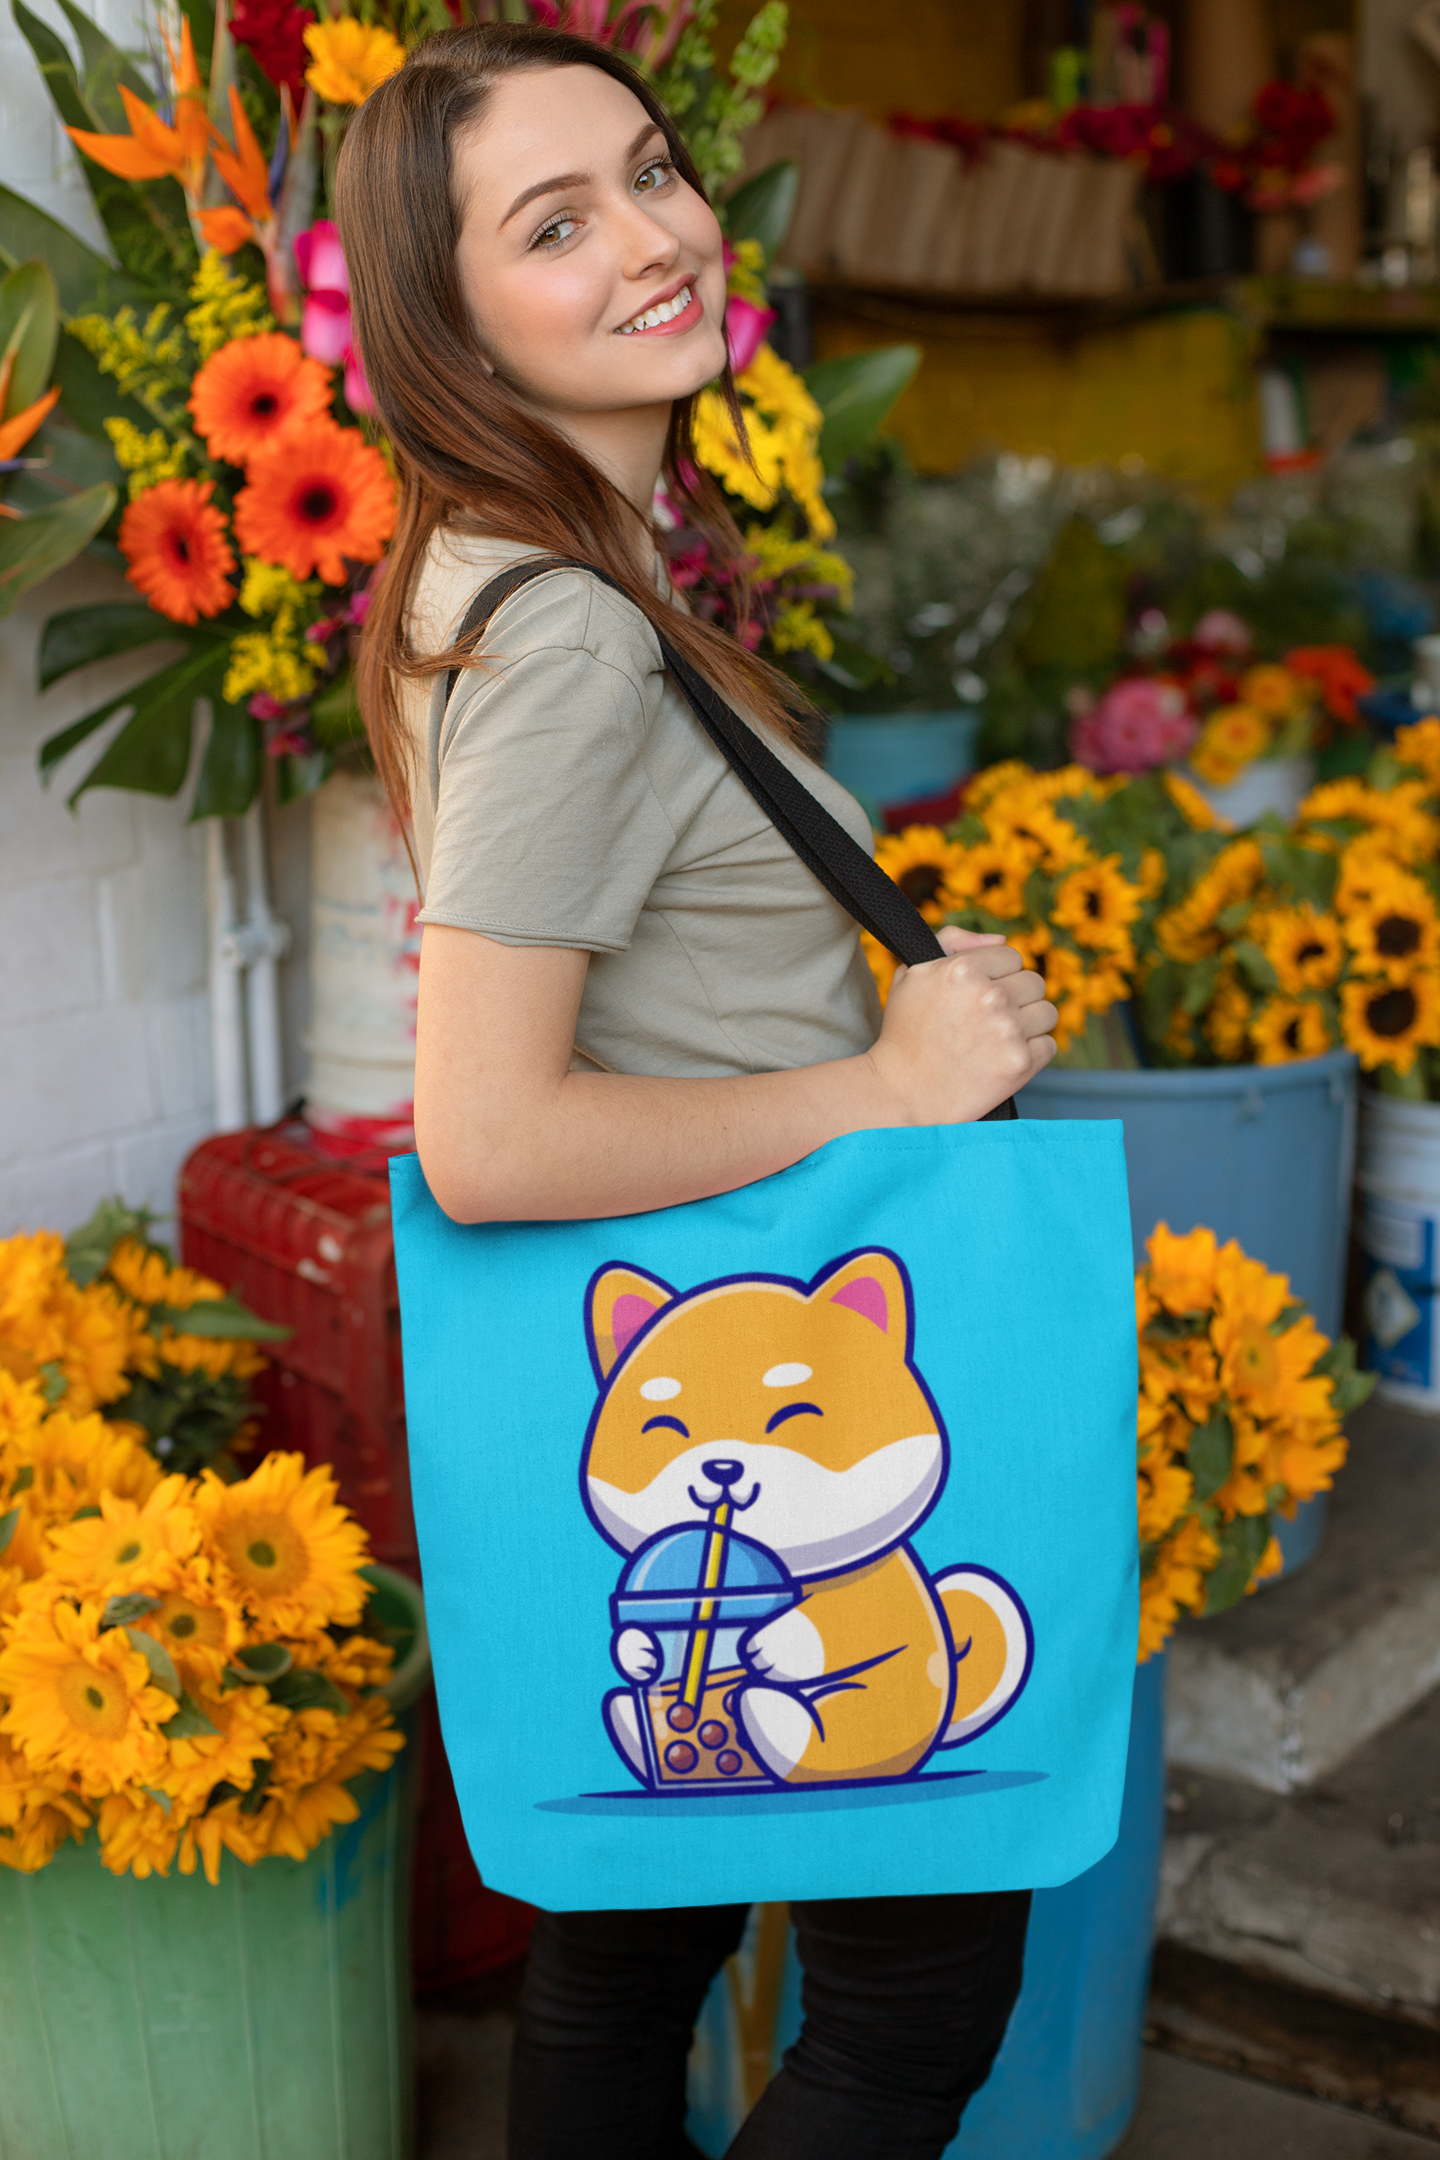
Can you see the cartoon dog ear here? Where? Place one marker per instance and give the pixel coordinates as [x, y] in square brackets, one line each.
[874, 1285]
[618, 1304]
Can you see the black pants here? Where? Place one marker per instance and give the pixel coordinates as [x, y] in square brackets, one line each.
[906, 2002]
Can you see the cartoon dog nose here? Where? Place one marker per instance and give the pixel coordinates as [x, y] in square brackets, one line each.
[723, 1472]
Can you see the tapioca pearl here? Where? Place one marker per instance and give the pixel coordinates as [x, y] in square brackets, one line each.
[681, 1757]
[729, 1761]
[713, 1734]
[731, 1702]
[680, 1717]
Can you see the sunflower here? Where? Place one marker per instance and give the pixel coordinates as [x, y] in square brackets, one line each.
[110, 1550]
[174, 540]
[1187, 932]
[255, 389]
[315, 500]
[1303, 946]
[1419, 745]
[349, 59]
[920, 861]
[150, 1279]
[1231, 739]
[1182, 1269]
[37, 1813]
[139, 1835]
[246, 1722]
[1396, 930]
[1273, 692]
[1397, 813]
[1288, 1028]
[82, 1701]
[1387, 1023]
[283, 1546]
[307, 1793]
[1192, 805]
[1097, 904]
[991, 875]
[200, 1624]
[1174, 1580]
[1023, 816]
[1227, 1023]
[883, 964]
[1064, 973]
[1152, 874]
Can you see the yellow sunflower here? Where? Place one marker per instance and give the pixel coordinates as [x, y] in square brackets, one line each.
[994, 780]
[247, 1722]
[1231, 739]
[1364, 866]
[991, 875]
[1182, 1269]
[1175, 1581]
[37, 1813]
[1187, 931]
[284, 1547]
[1396, 930]
[1153, 873]
[1398, 813]
[138, 1835]
[109, 1550]
[882, 962]
[313, 1761]
[1026, 818]
[1419, 746]
[1288, 1028]
[921, 861]
[1192, 804]
[1065, 986]
[1274, 692]
[1388, 1023]
[200, 1624]
[1097, 904]
[82, 1701]
[1302, 945]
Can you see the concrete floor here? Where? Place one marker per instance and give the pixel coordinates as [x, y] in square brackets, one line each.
[1187, 2111]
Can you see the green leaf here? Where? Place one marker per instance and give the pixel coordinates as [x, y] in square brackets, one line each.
[157, 1657]
[86, 282]
[120, 1611]
[761, 208]
[189, 1721]
[265, 1661]
[1255, 966]
[76, 636]
[335, 715]
[1210, 1454]
[83, 1514]
[1200, 985]
[855, 393]
[106, 67]
[219, 1320]
[308, 1690]
[151, 753]
[88, 1249]
[8, 1524]
[29, 327]
[301, 776]
[53, 1381]
[32, 548]
[24, 1479]
[1349, 1388]
[88, 399]
[1242, 1544]
[52, 57]
[230, 774]
[254, 1800]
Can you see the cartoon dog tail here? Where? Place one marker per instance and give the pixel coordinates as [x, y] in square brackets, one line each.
[994, 1649]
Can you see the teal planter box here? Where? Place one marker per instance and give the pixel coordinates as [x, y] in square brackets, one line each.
[267, 2018]
[901, 757]
[1262, 1153]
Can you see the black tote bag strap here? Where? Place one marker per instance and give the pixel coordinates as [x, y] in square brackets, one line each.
[845, 870]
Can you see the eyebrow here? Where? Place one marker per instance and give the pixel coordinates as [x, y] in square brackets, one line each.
[558, 185]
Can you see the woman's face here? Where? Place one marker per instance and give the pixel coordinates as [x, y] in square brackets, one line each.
[577, 237]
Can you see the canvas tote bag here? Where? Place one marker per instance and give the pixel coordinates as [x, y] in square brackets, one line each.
[783, 1544]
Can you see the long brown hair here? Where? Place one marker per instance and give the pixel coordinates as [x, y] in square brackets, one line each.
[468, 449]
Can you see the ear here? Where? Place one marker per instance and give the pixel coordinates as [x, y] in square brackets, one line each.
[874, 1285]
[619, 1302]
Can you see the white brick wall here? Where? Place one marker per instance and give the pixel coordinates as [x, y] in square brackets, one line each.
[105, 1071]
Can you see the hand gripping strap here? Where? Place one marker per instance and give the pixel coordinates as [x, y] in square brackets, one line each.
[823, 845]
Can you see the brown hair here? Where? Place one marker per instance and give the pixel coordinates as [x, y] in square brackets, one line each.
[467, 447]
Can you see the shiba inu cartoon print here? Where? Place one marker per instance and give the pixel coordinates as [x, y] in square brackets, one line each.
[762, 1452]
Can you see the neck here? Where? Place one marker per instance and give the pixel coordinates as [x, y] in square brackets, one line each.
[628, 446]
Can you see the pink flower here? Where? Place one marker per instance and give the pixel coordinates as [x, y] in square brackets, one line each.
[746, 328]
[1138, 723]
[1221, 630]
[325, 323]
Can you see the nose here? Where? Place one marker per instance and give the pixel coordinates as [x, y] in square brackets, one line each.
[723, 1472]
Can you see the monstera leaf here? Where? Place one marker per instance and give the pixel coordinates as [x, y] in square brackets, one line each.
[855, 394]
[761, 208]
[32, 548]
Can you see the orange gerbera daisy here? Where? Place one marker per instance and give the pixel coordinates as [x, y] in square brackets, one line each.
[253, 389]
[314, 500]
[174, 540]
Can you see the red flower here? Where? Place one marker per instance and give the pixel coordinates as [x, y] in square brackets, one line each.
[274, 31]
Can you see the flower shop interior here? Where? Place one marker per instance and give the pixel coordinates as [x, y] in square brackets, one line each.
[1089, 354]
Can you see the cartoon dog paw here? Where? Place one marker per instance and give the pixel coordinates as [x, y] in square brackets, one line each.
[778, 1726]
[637, 1653]
[787, 1648]
[624, 1729]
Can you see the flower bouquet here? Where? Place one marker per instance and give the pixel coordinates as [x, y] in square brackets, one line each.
[1241, 1403]
[189, 1665]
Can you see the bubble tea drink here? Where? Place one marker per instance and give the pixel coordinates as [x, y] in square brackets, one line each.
[698, 1592]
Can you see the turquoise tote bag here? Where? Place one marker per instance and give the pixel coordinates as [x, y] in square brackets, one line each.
[783, 1545]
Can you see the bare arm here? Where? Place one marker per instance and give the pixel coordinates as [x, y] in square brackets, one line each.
[507, 1132]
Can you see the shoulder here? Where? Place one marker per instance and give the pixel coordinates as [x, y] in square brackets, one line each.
[561, 611]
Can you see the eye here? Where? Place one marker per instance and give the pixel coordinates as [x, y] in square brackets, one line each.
[669, 1424]
[794, 1409]
[654, 175]
[555, 234]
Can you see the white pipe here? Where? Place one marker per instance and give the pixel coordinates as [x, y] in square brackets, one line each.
[227, 1020]
[265, 942]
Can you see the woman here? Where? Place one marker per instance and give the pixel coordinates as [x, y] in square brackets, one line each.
[632, 994]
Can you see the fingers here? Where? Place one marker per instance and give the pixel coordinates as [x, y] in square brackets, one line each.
[958, 941]
[1037, 1020]
[1027, 987]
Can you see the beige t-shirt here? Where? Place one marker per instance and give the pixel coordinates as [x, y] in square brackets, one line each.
[569, 796]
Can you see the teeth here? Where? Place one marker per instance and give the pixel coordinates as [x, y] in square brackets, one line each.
[665, 312]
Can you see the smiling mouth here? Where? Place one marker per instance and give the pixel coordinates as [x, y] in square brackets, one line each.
[739, 1506]
[664, 311]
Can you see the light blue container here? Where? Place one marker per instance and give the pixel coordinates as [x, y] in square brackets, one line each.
[900, 757]
[1262, 1153]
[1066, 2081]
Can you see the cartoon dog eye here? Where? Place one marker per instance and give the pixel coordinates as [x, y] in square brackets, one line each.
[794, 1409]
[672, 1424]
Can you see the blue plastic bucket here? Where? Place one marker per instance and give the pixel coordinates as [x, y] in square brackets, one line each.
[900, 757]
[1066, 2081]
[1262, 1153]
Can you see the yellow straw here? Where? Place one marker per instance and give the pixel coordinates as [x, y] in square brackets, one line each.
[698, 1662]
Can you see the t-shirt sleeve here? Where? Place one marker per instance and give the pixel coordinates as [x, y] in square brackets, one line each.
[547, 830]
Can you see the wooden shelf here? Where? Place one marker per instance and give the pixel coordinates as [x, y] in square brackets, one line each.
[1289, 305]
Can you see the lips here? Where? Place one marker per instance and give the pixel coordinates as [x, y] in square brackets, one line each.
[668, 308]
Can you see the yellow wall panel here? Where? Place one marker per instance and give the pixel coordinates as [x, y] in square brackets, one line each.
[930, 56]
[1177, 390]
